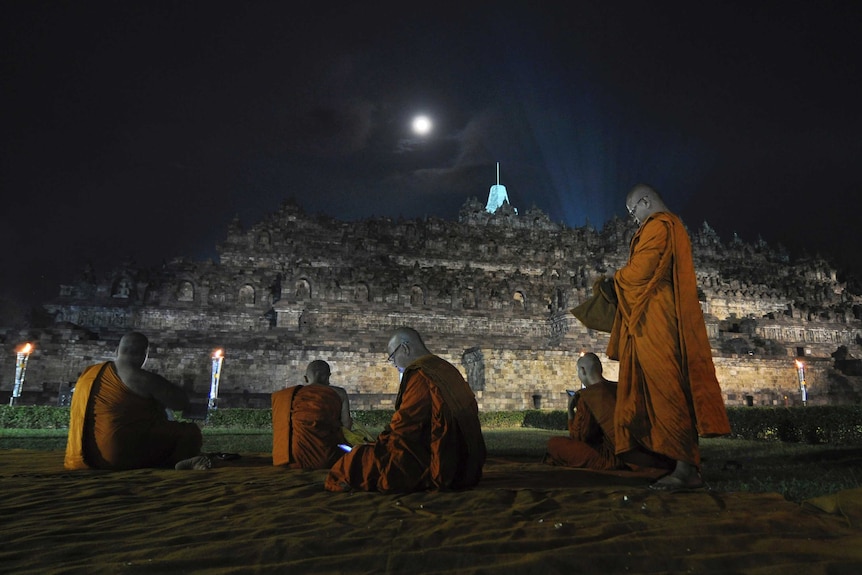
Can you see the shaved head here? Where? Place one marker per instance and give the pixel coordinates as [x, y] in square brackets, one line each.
[643, 201]
[590, 369]
[405, 346]
[406, 335]
[317, 372]
[641, 191]
[133, 348]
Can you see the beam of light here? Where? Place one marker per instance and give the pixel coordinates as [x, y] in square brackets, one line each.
[595, 144]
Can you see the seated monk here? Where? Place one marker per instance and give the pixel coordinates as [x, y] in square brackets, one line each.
[590, 443]
[118, 417]
[433, 440]
[307, 421]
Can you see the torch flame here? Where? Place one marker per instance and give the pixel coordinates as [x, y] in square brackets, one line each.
[217, 353]
[799, 364]
[27, 348]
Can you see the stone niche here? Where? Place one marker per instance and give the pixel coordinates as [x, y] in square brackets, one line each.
[489, 292]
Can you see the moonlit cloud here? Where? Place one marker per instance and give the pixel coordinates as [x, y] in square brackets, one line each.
[231, 111]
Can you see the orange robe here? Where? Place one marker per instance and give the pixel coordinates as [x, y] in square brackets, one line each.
[667, 392]
[591, 443]
[110, 427]
[306, 427]
[433, 441]
[591, 432]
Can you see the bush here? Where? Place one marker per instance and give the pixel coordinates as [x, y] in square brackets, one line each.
[838, 425]
[545, 419]
[34, 417]
[834, 424]
[499, 419]
[374, 418]
[245, 418]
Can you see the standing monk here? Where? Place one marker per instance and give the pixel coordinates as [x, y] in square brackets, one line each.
[118, 420]
[667, 392]
[307, 421]
[433, 441]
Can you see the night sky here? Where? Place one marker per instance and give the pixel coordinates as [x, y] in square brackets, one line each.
[139, 130]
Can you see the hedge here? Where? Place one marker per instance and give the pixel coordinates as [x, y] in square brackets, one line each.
[841, 424]
[836, 424]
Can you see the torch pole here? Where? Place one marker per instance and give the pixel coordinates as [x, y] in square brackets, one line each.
[23, 355]
[800, 371]
[218, 359]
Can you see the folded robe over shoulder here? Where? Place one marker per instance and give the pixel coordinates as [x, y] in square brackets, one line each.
[434, 440]
[112, 428]
[306, 427]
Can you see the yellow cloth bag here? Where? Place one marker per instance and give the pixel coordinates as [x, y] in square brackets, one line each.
[357, 435]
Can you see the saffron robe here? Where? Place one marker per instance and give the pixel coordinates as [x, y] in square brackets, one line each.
[306, 427]
[433, 441]
[591, 444]
[110, 427]
[667, 393]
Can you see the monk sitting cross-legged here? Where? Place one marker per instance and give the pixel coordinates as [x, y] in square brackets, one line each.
[118, 417]
[590, 443]
[307, 421]
[433, 440]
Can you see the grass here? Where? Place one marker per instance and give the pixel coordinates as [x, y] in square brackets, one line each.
[798, 471]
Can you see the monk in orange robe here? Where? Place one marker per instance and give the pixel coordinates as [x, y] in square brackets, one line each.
[590, 443]
[118, 417]
[668, 393]
[307, 421]
[433, 441]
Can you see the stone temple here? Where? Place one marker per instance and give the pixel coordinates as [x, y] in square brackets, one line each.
[490, 292]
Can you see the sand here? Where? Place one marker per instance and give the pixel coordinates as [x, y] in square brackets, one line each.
[246, 516]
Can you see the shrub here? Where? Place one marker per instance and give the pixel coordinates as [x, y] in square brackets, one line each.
[241, 417]
[374, 418]
[838, 424]
[498, 419]
[34, 417]
[545, 419]
[835, 424]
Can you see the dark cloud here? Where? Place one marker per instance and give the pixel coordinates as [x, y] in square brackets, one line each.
[140, 129]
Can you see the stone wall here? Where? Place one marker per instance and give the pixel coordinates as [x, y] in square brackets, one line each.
[504, 379]
[490, 292]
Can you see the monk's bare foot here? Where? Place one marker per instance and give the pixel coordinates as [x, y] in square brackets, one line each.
[684, 478]
[199, 462]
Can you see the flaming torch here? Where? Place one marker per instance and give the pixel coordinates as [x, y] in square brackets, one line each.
[20, 369]
[800, 370]
[218, 359]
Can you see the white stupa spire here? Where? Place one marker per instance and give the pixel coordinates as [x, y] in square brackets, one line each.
[497, 196]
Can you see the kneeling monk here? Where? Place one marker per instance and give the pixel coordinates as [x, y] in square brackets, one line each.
[307, 421]
[118, 420]
[433, 441]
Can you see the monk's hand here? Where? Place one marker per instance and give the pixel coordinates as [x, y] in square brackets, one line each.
[573, 401]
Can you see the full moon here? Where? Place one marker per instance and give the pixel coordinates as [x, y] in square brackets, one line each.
[421, 125]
